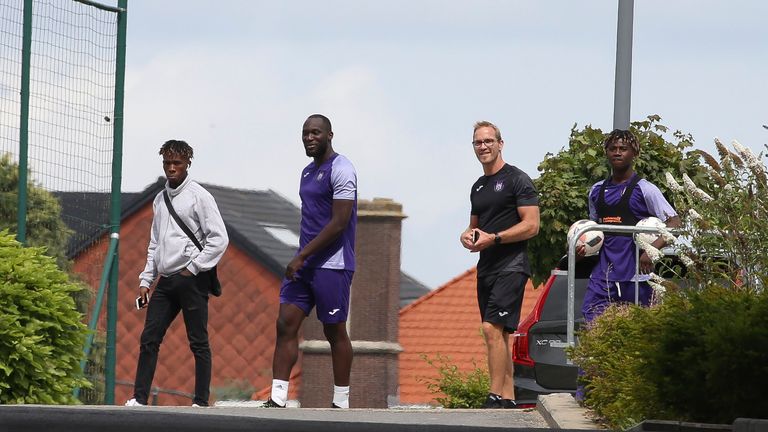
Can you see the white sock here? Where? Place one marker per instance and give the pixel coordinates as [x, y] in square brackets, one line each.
[341, 396]
[280, 391]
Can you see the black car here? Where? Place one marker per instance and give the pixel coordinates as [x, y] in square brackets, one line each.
[539, 343]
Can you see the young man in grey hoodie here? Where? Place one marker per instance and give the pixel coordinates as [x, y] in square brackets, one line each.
[182, 268]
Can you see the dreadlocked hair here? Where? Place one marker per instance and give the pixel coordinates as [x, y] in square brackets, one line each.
[622, 135]
[178, 147]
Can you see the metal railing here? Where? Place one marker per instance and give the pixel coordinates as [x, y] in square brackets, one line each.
[622, 229]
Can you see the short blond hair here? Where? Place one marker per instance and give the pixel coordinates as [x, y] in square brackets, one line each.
[484, 123]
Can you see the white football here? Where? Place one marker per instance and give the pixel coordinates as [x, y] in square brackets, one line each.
[650, 222]
[591, 240]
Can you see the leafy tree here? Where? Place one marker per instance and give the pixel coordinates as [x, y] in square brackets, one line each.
[567, 176]
[44, 224]
[41, 332]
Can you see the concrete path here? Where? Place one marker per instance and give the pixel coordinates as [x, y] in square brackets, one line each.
[561, 411]
[552, 412]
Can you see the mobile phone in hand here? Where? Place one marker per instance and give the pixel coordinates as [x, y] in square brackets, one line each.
[141, 302]
[475, 236]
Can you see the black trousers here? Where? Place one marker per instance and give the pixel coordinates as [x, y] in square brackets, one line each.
[188, 294]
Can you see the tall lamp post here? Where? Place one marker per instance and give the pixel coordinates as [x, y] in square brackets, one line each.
[622, 96]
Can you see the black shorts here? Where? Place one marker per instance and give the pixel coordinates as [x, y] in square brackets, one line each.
[500, 298]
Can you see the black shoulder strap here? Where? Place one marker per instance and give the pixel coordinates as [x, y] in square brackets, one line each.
[601, 195]
[180, 222]
[627, 194]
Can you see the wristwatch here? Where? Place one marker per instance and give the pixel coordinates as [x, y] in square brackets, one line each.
[496, 238]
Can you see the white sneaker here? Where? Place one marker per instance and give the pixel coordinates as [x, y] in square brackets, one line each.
[133, 402]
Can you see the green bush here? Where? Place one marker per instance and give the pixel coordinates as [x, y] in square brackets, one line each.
[41, 333]
[700, 356]
[460, 389]
[711, 363]
[612, 352]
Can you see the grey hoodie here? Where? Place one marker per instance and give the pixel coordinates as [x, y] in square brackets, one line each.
[170, 250]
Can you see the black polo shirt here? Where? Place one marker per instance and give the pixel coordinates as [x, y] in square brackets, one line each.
[495, 200]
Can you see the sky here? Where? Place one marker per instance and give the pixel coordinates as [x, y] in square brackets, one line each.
[403, 82]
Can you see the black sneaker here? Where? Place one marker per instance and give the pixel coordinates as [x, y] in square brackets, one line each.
[510, 404]
[271, 404]
[494, 401]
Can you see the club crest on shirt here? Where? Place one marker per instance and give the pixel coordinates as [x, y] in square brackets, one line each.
[498, 186]
[319, 176]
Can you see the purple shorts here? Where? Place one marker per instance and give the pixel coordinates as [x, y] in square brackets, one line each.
[600, 294]
[327, 289]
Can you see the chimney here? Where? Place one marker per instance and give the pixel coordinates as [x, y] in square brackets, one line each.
[373, 317]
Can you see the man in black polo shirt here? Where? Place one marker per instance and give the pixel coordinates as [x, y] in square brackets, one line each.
[505, 214]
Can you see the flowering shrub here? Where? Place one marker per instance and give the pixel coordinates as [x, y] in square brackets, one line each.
[726, 219]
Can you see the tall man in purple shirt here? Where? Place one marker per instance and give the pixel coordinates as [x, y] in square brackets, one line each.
[320, 274]
[622, 199]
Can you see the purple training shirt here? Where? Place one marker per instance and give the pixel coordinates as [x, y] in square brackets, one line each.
[333, 180]
[617, 256]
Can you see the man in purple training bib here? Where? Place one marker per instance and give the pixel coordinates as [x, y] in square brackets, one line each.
[622, 199]
[320, 274]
